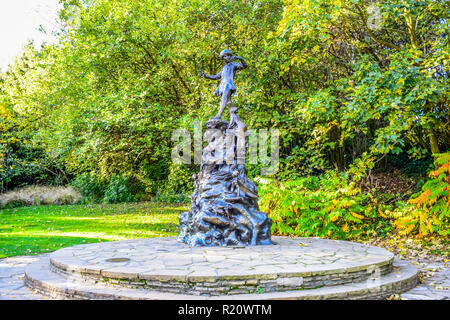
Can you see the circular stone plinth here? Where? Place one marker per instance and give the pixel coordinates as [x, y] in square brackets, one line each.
[165, 265]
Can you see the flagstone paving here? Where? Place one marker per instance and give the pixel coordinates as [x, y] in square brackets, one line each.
[154, 257]
[143, 258]
[12, 286]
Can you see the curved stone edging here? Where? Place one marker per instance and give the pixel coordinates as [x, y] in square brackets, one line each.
[165, 265]
[39, 277]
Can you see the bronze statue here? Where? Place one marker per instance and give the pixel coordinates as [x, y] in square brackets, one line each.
[224, 206]
[226, 86]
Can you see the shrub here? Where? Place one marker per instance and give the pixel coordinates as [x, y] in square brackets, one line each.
[171, 198]
[22, 165]
[37, 195]
[431, 207]
[178, 186]
[328, 206]
[91, 187]
[179, 180]
[117, 190]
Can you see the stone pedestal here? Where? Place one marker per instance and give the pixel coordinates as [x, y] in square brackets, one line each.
[163, 268]
[224, 209]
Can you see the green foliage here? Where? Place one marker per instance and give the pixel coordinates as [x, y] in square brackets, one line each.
[416, 167]
[380, 90]
[180, 179]
[328, 206]
[171, 197]
[431, 211]
[24, 165]
[95, 189]
[346, 97]
[91, 187]
[117, 191]
[178, 186]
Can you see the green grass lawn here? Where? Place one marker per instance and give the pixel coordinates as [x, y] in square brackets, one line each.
[38, 229]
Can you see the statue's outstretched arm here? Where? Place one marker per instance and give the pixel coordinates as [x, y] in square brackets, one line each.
[241, 65]
[212, 77]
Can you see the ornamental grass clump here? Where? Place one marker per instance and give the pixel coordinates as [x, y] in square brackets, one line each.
[37, 195]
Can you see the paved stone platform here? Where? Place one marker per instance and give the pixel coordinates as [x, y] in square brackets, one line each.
[12, 286]
[434, 287]
[167, 265]
[162, 268]
[53, 285]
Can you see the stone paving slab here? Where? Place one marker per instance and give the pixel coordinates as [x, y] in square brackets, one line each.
[436, 287]
[12, 286]
[165, 264]
[57, 286]
[146, 256]
[12, 283]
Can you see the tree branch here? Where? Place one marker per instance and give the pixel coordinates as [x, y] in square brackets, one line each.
[372, 35]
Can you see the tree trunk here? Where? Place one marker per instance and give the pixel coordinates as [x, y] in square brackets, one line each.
[336, 155]
[433, 142]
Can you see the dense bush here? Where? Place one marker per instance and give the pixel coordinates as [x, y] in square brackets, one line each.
[23, 165]
[327, 206]
[95, 189]
[117, 191]
[178, 186]
[91, 187]
[333, 205]
[430, 212]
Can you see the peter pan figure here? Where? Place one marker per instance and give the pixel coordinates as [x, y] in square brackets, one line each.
[226, 86]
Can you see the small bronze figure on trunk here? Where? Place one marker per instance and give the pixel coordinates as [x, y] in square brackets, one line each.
[226, 86]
